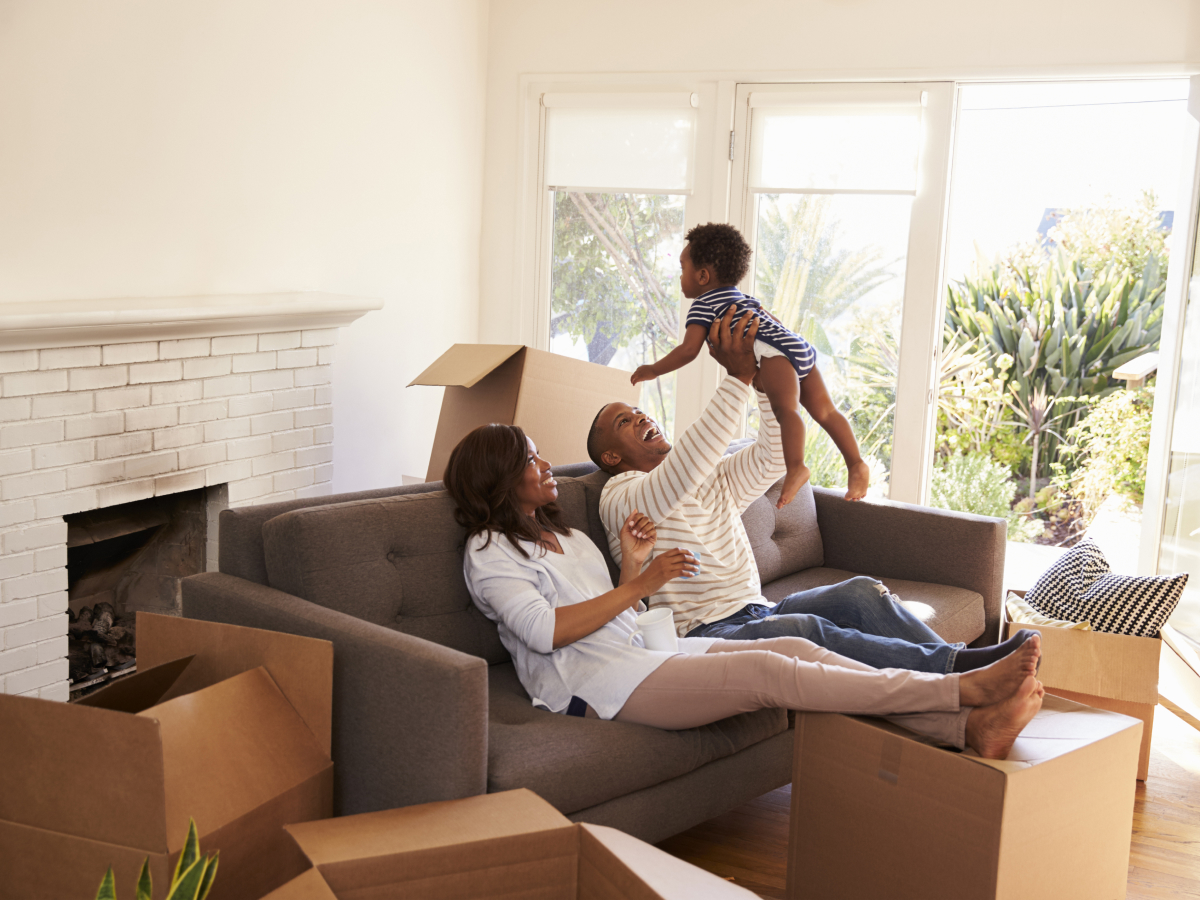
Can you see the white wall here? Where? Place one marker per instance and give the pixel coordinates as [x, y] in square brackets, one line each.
[706, 40]
[181, 147]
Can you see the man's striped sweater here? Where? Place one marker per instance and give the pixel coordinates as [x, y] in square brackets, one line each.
[696, 497]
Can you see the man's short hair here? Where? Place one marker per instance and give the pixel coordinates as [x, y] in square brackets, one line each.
[593, 441]
[722, 247]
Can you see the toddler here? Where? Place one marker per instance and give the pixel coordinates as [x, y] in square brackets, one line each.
[714, 260]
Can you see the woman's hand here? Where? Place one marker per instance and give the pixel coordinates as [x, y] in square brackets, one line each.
[637, 539]
[672, 564]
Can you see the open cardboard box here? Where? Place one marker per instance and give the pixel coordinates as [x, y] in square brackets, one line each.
[227, 725]
[554, 398]
[878, 812]
[1116, 672]
[509, 844]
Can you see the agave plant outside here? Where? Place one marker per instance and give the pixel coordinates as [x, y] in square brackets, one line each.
[1066, 329]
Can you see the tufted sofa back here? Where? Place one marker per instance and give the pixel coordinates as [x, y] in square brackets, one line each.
[397, 561]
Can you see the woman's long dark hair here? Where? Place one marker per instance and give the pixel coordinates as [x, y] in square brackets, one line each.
[482, 477]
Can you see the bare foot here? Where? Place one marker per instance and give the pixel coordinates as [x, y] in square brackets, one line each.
[991, 684]
[992, 730]
[860, 477]
[795, 479]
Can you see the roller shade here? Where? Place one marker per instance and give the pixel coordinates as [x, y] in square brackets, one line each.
[821, 142]
[612, 143]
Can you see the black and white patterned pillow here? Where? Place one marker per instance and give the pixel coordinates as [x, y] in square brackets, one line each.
[1081, 587]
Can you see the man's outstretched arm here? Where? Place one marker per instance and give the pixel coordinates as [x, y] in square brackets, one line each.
[701, 447]
[748, 473]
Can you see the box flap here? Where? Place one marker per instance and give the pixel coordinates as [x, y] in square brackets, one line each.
[133, 693]
[492, 845]
[465, 365]
[1179, 677]
[1093, 662]
[616, 865]
[309, 886]
[51, 752]
[47, 865]
[429, 825]
[229, 748]
[257, 855]
[560, 396]
[1060, 727]
[301, 667]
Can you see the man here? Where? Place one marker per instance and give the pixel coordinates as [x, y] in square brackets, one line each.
[695, 495]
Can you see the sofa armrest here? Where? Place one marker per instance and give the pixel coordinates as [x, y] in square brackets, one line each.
[917, 543]
[409, 716]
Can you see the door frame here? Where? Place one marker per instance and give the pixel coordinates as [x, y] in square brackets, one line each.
[1183, 286]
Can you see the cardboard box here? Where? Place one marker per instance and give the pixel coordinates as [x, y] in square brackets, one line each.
[877, 812]
[510, 844]
[1116, 672]
[554, 398]
[226, 725]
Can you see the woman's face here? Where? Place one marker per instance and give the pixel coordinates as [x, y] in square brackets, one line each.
[537, 486]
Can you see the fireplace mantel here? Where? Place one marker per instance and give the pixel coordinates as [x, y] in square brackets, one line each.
[73, 323]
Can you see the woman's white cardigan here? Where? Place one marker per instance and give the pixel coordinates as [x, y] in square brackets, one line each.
[520, 595]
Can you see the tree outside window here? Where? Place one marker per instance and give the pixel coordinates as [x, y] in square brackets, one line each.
[615, 283]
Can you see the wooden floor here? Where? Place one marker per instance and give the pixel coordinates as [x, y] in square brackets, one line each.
[748, 845]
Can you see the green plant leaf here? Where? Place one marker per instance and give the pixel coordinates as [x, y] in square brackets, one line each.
[189, 854]
[145, 889]
[210, 872]
[187, 886]
[108, 888]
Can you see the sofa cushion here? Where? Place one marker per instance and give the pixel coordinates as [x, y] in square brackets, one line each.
[240, 551]
[956, 614]
[784, 540]
[575, 763]
[394, 561]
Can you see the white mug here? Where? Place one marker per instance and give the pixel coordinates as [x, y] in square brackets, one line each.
[657, 628]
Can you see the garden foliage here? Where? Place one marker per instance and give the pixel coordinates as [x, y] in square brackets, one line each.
[1108, 450]
[975, 483]
[1040, 333]
[1066, 328]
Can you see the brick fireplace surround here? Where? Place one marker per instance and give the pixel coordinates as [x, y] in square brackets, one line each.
[105, 402]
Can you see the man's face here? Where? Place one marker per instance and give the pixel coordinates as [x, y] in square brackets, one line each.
[632, 440]
[692, 281]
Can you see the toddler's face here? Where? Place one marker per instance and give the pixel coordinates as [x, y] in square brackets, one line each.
[693, 282]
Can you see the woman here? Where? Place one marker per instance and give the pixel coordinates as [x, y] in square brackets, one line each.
[568, 629]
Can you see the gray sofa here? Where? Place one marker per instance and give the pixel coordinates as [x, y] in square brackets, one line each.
[427, 705]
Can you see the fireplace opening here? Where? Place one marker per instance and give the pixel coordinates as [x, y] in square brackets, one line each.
[122, 559]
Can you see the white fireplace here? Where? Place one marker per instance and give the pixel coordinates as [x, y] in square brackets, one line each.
[104, 402]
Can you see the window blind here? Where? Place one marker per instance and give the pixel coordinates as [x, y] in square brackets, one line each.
[610, 143]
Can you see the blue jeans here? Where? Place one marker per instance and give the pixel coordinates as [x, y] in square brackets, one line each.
[853, 619]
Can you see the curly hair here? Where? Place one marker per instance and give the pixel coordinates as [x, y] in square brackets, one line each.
[722, 247]
[482, 477]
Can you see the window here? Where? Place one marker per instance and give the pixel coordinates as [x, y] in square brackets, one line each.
[838, 182]
[617, 173]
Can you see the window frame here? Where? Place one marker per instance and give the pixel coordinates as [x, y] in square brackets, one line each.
[696, 383]
[920, 330]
